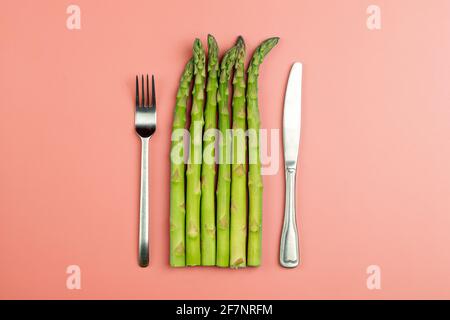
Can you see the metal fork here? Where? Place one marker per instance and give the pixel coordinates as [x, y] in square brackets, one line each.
[145, 123]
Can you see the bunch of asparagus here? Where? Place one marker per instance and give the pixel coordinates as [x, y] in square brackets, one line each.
[208, 226]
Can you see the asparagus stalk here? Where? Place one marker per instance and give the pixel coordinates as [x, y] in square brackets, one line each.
[193, 192]
[238, 227]
[255, 185]
[177, 171]
[208, 212]
[224, 177]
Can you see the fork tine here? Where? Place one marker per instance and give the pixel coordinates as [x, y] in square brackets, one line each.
[148, 93]
[153, 104]
[143, 92]
[137, 92]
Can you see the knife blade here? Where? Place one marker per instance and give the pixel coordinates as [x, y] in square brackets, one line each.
[289, 253]
[292, 115]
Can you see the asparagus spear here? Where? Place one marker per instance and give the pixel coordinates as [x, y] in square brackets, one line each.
[255, 186]
[193, 192]
[208, 212]
[224, 178]
[238, 228]
[177, 170]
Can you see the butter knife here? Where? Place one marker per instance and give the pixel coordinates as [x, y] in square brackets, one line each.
[289, 253]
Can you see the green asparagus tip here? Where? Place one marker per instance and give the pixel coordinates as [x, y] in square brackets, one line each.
[198, 48]
[260, 53]
[197, 42]
[240, 42]
[189, 66]
[240, 54]
[199, 56]
[267, 45]
[213, 51]
[228, 58]
[211, 39]
[272, 41]
[227, 64]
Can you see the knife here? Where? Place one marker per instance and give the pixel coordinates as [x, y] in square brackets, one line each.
[289, 253]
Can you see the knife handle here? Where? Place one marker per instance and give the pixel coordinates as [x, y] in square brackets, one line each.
[289, 255]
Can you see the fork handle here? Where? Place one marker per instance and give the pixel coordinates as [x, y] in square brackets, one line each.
[289, 255]
[143, 210]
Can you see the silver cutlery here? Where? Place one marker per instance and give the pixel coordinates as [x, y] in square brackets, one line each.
[289, 253]
[145, 123]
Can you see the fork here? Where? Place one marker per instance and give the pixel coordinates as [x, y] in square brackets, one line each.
[145, 123]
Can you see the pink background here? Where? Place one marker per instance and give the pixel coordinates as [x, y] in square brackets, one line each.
[374, 183]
